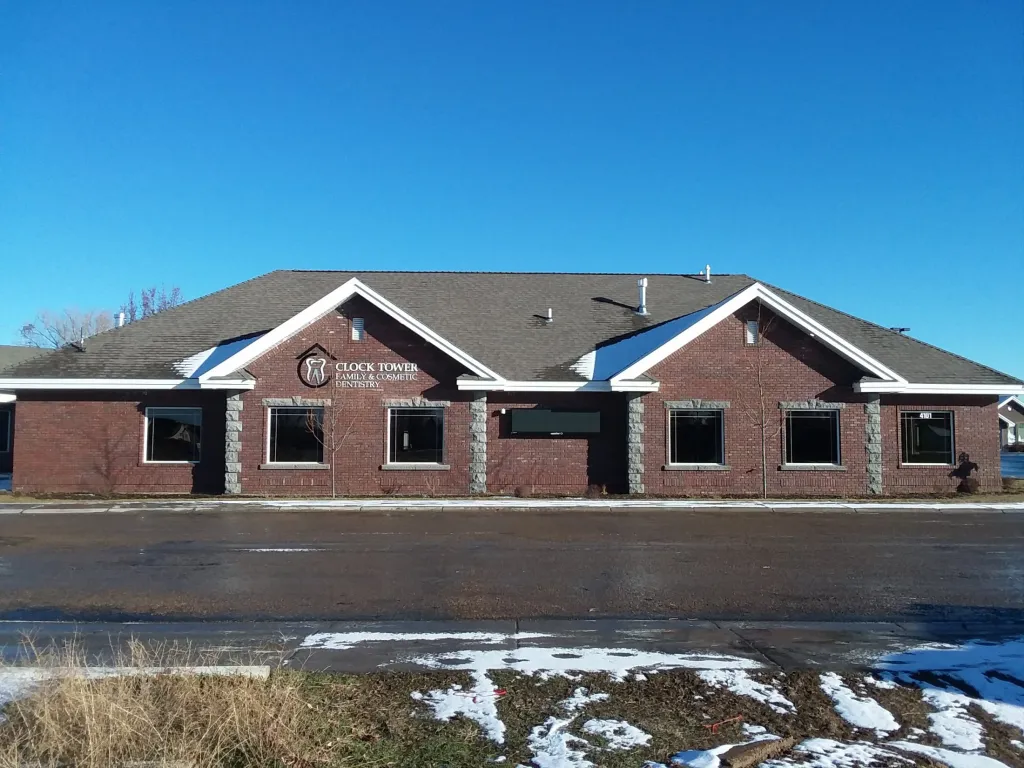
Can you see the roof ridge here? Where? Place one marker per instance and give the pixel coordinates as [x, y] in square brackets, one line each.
[894, 333]
[504, 272]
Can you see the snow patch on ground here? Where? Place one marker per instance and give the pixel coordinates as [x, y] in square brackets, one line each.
[550, 662]
[479, 704]
[580, 698]
[858, 711]
[344, 640]
[828, 753]
[885, 685]
[710, 758]
[618, 733]
[948, 757]
[952, 722]
[553, 747]
[740, 683]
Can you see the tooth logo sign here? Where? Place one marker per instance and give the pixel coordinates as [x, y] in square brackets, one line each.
[312, 371]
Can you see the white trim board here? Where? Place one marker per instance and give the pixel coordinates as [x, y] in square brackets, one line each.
[1008, 421]
[319, 308]
[121, 384]
[558, 386]
[883, 387]
[1007, 401]
[758, 292]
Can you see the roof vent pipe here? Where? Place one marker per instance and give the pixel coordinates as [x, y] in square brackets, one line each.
[641, 285]
[550, 317]
[707, 273]
[120, 320]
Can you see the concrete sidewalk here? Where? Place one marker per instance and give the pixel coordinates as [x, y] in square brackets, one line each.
[357, 647]
[448, 504]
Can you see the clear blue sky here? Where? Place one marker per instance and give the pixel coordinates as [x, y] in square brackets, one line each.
[869, 155]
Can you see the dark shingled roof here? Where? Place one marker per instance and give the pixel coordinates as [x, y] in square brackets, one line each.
[12, 356]
[497, 318]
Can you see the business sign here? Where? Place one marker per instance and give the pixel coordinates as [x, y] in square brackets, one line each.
[317, 370]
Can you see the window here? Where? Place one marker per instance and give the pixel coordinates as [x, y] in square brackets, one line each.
[812, 437]
[416, 436]
[358, 329]
[927, 437]
[541, 421]
[173, 435]
[696, 437]
[5, 431]
[296, 436]
[751, 332]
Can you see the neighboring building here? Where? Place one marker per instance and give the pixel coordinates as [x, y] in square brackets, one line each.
[1011, 421]
[9, 357]
[456, 383]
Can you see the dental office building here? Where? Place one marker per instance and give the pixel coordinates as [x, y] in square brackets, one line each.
[303, 383]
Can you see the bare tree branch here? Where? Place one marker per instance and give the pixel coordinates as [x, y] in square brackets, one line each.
[57, 329]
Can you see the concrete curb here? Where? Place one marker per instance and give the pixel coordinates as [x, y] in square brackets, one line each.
[510, 505]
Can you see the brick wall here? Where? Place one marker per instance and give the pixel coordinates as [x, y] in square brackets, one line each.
[359, 415]
[556, 465]
[974, 434]
[92, 442]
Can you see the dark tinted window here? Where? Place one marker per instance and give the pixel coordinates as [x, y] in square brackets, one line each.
[173, 434]
[541, 421]
[416, 436]
[696, 437]
[296, 435]
[5, 430]
[927, 437]
[812, 437]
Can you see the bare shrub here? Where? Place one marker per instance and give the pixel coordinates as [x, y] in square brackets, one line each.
[140, 711]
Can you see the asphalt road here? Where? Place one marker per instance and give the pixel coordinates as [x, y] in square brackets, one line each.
[469, 564]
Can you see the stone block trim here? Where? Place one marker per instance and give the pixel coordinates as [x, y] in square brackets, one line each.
[873, 443]
[635, 443]
[810, 405]
[285, 402]
[696, 405]
[416, 402]
[478, 443]
[233, 444]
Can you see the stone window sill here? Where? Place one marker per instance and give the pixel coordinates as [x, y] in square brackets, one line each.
[696, 467]
[295, 465]
[812, 468]
[414, 467]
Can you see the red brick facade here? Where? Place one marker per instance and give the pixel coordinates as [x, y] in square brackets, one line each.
[93, 441]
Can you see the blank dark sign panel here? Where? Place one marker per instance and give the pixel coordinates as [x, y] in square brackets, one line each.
[537, 421]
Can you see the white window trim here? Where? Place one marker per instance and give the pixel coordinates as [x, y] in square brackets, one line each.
[694, 464]
[952, 440]
[836, 413]
[388, 464]
[145, 433]
[266, 440]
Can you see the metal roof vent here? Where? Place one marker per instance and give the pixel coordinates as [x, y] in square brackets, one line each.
[641, 285]
[707, 273]
[551, 316]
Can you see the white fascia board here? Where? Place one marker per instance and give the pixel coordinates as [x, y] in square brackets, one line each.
[883, 387]
[780, 307]
[1010, 399]
[558, 386]
[319, 308]
[8, 397]
[122, 384]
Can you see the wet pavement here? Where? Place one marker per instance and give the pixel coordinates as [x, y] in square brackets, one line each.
[250, 563]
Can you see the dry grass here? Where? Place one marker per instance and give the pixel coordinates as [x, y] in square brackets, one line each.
[146, 714]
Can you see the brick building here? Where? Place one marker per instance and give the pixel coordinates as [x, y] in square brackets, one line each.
[312, 383]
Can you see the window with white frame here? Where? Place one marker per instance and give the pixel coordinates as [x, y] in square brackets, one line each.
[812, 437]
[416, 436]
[358, 329]
[5, 430]
[927, 437]
[174, 435]
[295, 435]
[696, 437]
[751, 333]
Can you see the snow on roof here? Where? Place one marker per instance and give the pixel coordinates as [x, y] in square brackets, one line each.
[196, 365]
[606, 361]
